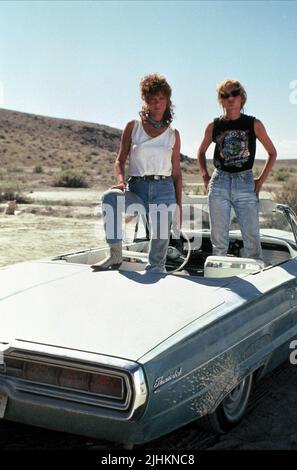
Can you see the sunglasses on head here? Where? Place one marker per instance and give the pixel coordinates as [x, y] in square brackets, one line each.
[233, 93]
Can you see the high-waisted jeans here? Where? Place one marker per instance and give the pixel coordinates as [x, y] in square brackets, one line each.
[155, 198]
[235, 190]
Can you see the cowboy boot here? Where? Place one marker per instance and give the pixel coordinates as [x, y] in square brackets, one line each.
[113, 261]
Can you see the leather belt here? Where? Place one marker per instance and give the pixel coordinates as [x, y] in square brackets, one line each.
[150, 177]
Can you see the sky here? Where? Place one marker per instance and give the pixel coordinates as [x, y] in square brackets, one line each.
[84, 60]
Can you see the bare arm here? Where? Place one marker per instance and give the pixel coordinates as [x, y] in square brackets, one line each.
[265, 140]
[201, 158]
[176, 174]
[119, 166]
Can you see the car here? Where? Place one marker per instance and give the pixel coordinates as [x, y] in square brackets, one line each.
[127, 355]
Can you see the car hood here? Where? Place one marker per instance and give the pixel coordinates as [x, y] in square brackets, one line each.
[123, 314]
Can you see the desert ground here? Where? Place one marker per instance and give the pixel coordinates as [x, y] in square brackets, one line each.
[57, 221]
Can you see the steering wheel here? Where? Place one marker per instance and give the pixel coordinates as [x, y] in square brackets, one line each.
[177, 252]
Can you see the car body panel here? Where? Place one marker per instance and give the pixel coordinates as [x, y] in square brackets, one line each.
[62, 299]
[85, 305]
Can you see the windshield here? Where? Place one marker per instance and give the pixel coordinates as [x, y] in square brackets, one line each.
[273, 222]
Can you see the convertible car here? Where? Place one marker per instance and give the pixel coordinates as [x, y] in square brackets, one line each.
[128, 356]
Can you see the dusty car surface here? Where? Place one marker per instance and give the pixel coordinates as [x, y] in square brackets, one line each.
[129, 356]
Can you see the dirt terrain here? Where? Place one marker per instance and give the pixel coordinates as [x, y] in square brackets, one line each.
[57, 222]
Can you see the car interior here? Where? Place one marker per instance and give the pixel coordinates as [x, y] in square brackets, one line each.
[190, 253]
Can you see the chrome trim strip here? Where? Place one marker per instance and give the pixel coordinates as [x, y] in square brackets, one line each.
[68, 354]
[68, 395]
[140, 392]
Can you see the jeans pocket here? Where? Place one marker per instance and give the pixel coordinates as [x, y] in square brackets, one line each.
[214, 180]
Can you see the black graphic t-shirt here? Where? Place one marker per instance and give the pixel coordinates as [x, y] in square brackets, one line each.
[235, 143]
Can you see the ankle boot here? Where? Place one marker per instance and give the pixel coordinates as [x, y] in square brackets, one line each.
[113, 261]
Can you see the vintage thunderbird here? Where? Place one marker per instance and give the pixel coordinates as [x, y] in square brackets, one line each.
[128, 356]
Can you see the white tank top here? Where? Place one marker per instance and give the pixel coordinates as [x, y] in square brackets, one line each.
[151, 155]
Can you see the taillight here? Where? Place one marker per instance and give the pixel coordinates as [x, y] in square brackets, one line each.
[73, 379]
[39, 373]
[106, 384]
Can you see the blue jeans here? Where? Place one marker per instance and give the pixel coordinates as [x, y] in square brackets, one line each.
[154, 198]
[235, 190]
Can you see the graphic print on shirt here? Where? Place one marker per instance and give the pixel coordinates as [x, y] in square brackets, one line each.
[233, 147]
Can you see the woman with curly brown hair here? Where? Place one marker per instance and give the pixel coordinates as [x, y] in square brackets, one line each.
[154, 184]
[232, 183]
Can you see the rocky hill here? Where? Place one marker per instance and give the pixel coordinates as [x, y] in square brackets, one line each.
[35, 150]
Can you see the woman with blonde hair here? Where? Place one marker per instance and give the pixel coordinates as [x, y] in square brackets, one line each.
[152, 147]
[232, 183]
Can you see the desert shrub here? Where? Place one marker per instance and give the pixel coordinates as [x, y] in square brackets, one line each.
[37, 169]
[66, 166]
[281, 175]
[15, 169]
[70, 179]
[10, 190]
[288, 194]
[199, 191]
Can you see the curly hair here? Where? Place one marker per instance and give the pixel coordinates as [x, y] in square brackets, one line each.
[225, 86]
[152, 84]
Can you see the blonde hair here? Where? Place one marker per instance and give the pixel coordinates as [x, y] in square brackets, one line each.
[152, 84]
[225, 85]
